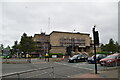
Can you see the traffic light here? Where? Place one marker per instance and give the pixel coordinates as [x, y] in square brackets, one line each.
[96, 37]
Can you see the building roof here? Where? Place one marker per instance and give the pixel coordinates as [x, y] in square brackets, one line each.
[68, 32]
[41, 34]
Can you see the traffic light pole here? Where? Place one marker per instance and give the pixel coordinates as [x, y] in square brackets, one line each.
[95, 50]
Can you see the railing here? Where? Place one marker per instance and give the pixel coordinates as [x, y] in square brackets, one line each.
[110, 67]
[22, 74]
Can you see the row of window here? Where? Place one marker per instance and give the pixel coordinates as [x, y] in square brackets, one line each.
[62, 44]
[71, 41]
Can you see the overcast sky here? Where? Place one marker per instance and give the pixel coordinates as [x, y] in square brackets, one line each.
[32, 18]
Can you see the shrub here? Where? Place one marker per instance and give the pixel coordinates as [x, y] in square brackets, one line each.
[59, 55]
[107, 53]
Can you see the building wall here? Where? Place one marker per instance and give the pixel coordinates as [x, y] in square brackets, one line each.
[42, 41]
[55, 38]
[57, 46]
[58, 50]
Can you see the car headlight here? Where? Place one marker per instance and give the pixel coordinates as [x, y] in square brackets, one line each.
[109, 60]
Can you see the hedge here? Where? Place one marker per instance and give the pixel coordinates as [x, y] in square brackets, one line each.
[103, 53]
[58, 54]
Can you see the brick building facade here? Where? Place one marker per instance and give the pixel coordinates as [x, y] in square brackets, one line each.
[42, 41]
[66, 42]
[63, 42]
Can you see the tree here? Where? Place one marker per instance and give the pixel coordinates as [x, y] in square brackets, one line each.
[111, 46]
[27, 45]
[15, 47]
[8, 47]
[2, 48]
[7, 50]
[102, 47]
[117, 47]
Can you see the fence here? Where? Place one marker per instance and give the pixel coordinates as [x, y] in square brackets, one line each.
[111, 66]
[35, 73]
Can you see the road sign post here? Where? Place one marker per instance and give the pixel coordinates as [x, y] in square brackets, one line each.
[96, 42]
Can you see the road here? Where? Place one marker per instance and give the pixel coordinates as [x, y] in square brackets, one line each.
[61, 69]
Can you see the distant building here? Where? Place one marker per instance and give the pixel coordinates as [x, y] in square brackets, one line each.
[67, 42]
[42, 41]
[63, 42]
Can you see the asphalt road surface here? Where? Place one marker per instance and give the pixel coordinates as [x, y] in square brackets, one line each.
[61, 69]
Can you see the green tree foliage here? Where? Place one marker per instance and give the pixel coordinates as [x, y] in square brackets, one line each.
[7, 50]
[15, 47]
[117, 47]
[1, 49]
[111, 46]
[27, 44]
[2, 46]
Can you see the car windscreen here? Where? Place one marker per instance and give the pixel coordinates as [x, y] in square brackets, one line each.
[98, 55]
[111, 57]
[75, 56]
[84, 55]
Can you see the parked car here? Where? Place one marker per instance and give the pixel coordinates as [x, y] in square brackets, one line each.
[98, 57]
[78, 58]
[111, 60]
[6, 56]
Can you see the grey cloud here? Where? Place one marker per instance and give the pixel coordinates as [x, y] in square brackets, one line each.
[32, 17]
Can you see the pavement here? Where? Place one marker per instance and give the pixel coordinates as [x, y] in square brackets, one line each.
[102, 74]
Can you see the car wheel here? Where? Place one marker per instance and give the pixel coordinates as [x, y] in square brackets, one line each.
[101, 64]
[69, 61]
[74, 61]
